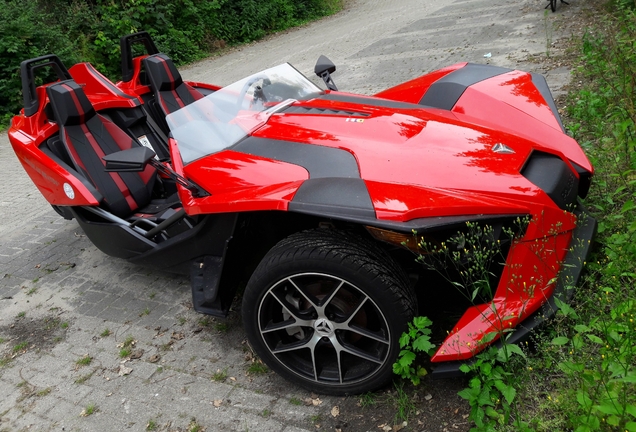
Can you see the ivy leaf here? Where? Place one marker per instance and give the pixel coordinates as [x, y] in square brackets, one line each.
[565, 308]
[581, 328]
[583, 399]
[464, 368]
[488, 337]
[404, 340]
[561, 340]
[422, 322]
[595, 339]
[508, 393]
[607, 408]
[423, 344]
[406, 357]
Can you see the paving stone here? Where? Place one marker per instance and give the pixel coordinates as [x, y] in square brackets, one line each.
[63, 411]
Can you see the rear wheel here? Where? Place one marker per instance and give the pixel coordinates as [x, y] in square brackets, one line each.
[325, 310]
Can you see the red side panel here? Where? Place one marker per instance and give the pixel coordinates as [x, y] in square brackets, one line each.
[527, 281]
[135, 86]
[102, 93]
[517, 90]
[199, 85]
[242, 182]
[48, 176]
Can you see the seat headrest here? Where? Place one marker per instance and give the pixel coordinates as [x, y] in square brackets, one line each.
[162, 72]
[69, 102]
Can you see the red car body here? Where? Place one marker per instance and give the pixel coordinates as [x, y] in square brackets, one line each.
[464, 143]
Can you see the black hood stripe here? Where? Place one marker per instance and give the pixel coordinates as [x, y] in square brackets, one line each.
[446, 91]
[320, 161]
[334, 188]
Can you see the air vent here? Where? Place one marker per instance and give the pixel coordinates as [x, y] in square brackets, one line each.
[323, 111]
[553, 176]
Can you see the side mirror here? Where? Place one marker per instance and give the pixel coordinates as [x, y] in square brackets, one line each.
[324, 68]
[132, 160]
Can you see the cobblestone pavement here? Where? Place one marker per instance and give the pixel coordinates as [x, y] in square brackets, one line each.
[89, 342]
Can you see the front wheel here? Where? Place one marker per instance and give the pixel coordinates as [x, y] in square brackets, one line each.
[325, 310]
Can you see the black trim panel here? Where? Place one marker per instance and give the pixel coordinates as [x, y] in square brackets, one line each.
[320, 161]
[446, 91]
[553, 176]
[296, 109]
[368, 101]
[334, 197]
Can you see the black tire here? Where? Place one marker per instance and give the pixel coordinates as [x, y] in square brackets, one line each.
[325, 310]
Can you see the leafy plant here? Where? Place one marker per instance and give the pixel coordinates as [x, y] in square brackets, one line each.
[416, 339]
[466, 260]
[491, 391]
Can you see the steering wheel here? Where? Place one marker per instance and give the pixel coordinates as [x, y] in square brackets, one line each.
[258, 93]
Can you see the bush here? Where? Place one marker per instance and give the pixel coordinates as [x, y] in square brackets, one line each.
[23, 35]
[186, 30]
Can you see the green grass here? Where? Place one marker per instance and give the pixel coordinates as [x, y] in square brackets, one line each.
[205, 321]
[19, 347]
[219, 375]
[21, 314]
[82, 379]
[368, 399]
[151, 425]
[90, 409]
[222, 327]
[402, 402]
[84, 361]
[194, 426]
[295, 401]
[105, 333]
[44, 392]
[257, 368]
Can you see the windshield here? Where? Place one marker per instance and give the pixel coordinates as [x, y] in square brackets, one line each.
[226, 116]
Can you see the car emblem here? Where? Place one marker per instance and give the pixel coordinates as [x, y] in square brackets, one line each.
[502, 149]
[323, 327]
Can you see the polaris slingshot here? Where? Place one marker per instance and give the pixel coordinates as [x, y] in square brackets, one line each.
[323, 196]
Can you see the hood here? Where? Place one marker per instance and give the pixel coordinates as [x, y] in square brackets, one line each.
[413, 161]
